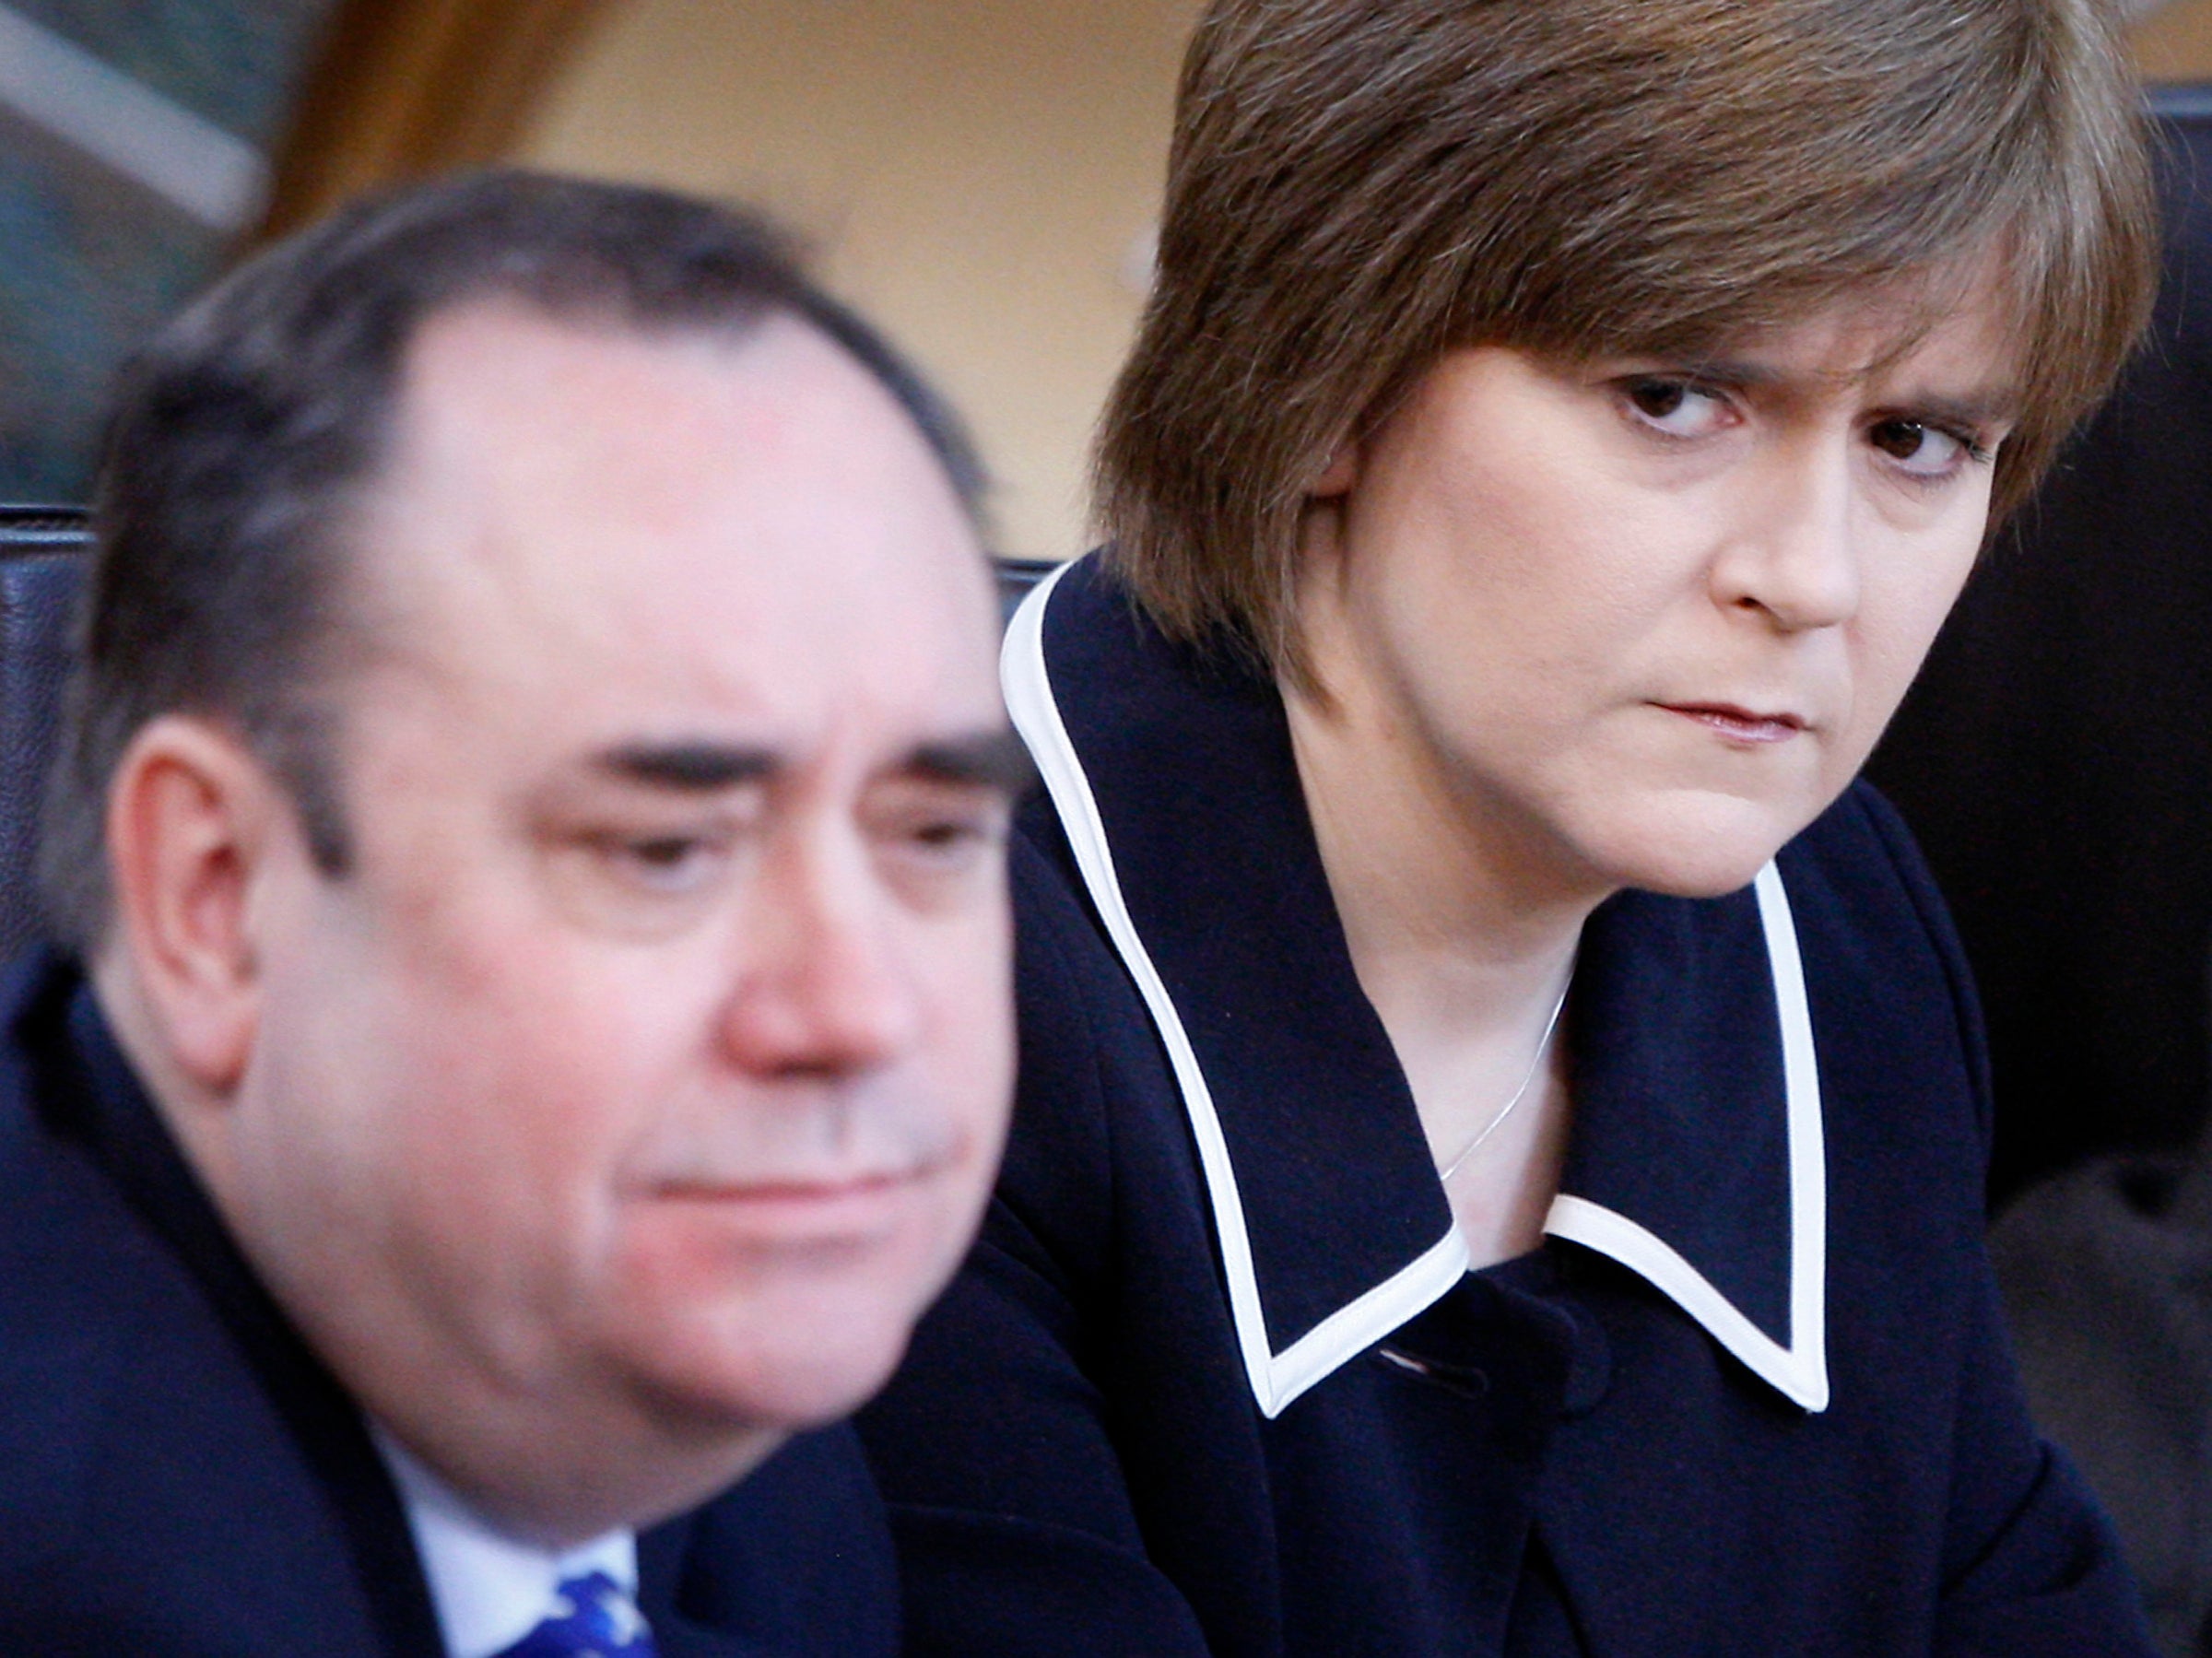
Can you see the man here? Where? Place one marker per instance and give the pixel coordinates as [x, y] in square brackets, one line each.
[530, 827]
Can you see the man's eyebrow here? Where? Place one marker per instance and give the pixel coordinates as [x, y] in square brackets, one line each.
[994, 760]
[695, 768]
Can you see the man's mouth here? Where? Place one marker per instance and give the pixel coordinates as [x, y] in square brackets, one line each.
[806, 1204]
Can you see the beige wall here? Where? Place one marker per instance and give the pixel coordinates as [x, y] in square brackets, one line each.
[2175, 41]
[975, 172]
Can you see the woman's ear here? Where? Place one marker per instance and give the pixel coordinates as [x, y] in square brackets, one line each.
[1339, 471]
[191, 822]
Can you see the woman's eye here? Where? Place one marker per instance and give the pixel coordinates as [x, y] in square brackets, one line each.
[1677, 408]
[1922, 451]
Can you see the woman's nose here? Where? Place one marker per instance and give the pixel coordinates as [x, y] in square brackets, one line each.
[1791, 552]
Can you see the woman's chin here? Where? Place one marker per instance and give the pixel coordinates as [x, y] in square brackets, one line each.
[1698, 846]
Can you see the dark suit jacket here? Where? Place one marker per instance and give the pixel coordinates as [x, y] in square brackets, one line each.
[1215, 1379]
[179, 1476]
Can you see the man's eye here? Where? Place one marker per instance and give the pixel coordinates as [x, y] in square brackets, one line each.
[944, 841]
[670, 864]
[952, 838]
[1679, 408]
[1925, 451]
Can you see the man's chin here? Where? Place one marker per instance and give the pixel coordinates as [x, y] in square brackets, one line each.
[793, 1331]
[789, 1371]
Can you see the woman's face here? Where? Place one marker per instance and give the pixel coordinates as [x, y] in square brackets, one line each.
[1646, 618]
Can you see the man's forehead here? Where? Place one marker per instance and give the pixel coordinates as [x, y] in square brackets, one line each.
[483, 378]
[584, 459]
[587, 536]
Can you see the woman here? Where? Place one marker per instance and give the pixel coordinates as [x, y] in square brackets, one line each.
[1497, 1158]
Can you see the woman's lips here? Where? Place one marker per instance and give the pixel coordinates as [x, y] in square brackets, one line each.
[1739, 725]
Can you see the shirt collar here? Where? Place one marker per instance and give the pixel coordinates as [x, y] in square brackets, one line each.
[489, 1589]
[1696, 1153]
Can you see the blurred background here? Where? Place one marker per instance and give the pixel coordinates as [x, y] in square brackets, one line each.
[981, 175]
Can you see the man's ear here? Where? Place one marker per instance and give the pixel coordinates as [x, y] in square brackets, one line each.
[192, 820]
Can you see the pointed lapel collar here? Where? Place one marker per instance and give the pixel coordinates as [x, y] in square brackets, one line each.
[662, 1552]
[1173, 779]
[1697, 1156]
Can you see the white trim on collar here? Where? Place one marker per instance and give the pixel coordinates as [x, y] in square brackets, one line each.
[1799, 1371]
[1277, 1379]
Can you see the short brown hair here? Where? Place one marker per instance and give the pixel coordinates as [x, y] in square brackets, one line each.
[1356, 186]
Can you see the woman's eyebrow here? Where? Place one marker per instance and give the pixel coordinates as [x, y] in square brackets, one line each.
[1732, 370]
[1976, 409]
[1994, 405]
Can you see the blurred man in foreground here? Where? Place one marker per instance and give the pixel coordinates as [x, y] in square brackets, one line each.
[530, 827]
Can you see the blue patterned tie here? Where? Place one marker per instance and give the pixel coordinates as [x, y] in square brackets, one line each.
[591, 1619]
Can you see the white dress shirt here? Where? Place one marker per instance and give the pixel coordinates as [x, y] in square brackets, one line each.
[489, 1589]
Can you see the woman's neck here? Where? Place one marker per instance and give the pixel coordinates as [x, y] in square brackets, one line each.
[1453, 920]
[1463, 934]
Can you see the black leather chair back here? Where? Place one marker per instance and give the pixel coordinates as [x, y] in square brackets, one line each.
[1015, 577]
[2056, 758]
[42, 552]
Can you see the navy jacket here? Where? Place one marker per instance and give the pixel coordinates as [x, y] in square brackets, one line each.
[179, 1476]
[1215, 1378]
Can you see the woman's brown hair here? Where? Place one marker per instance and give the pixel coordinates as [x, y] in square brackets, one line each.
[1356, 186]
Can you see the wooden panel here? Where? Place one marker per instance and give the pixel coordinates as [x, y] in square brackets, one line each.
[2174, 43]
[980, 176]
[404, 88]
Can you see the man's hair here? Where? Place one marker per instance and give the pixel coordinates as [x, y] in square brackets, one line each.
[246, 434]
[1356, 186]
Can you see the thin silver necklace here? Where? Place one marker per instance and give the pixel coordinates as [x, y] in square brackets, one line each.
[1536, 1062]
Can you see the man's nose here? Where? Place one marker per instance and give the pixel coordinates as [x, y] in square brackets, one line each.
[821, 986]
[1791, 552]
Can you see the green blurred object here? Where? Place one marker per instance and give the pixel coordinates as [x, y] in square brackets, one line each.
[92, 259]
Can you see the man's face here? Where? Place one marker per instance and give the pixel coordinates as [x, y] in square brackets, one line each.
[654, 1054]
